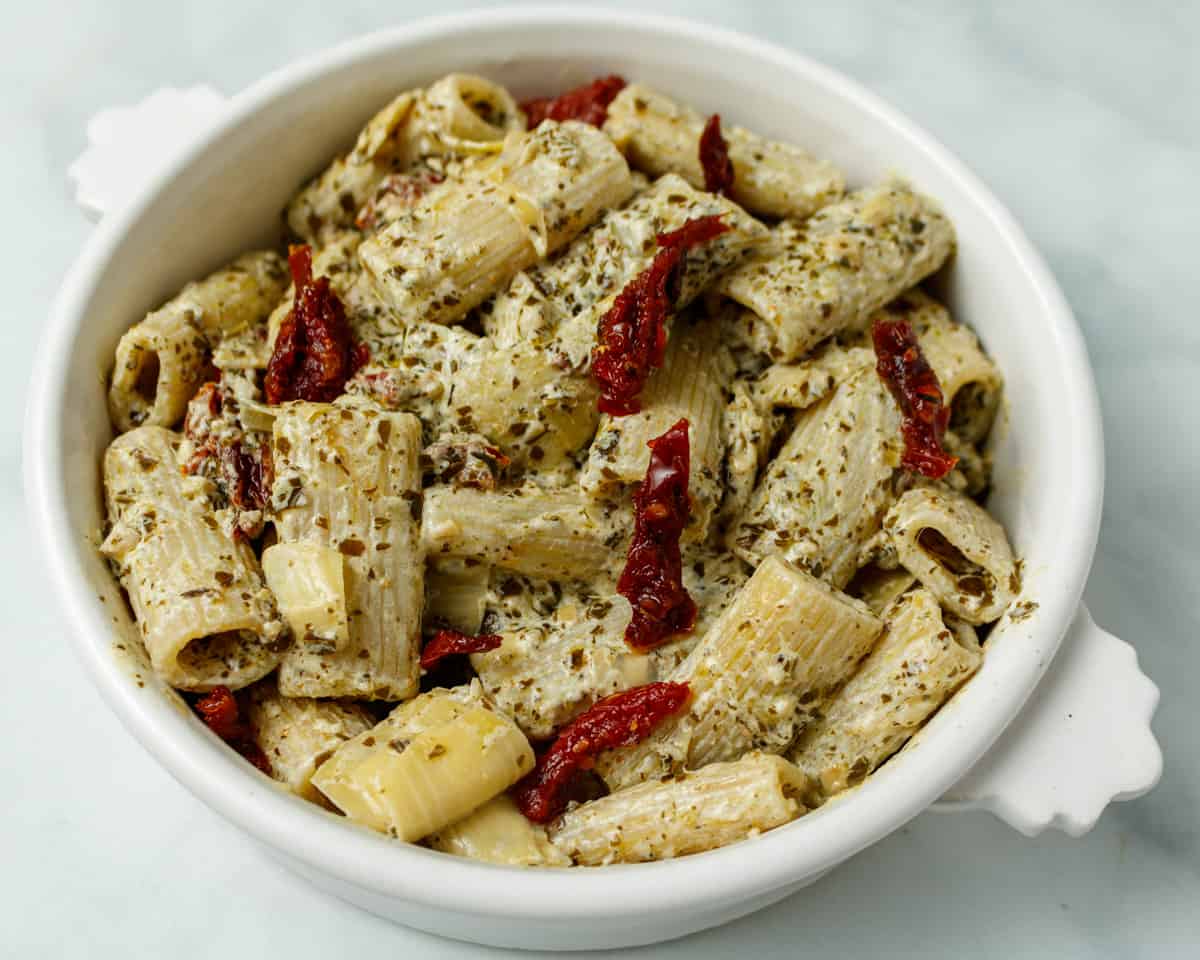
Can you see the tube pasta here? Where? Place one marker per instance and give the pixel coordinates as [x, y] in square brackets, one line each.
[435, 759]
[419, 369]
[464, 479]
[691, 384]
[162, 360]
[526, 529]
[456, 594]
[971, 383]
[915, 668]
[499, 833]
[532, 395]
[824, 495]
[749, 431]
[956, 549]
[459, 116]
[688, 813]
[830, 273]
[462, 243]
[878, 586]
[547, 670]
[658, 135]
[205, 615]
[787, 640]
[298, 734]
[557, 304]
[537, 413]
[347, 478]
[309, 586]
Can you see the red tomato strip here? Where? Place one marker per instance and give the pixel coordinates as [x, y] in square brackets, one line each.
[588, 103]
[652, 580]
[617, 721]
[447, 643]
[911, 380]
[249, 478]
[632, 335]
[714, 158]
[219, 710]
[247, 472]
[313, 357]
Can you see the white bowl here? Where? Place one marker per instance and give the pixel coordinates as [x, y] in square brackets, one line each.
[224, 193]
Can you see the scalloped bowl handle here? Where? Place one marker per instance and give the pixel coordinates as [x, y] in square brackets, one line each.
[126, 145]
[1082, 741]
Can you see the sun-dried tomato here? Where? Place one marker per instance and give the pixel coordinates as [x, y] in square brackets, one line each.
[714, 158]
[588, 103]
[244, 473]
[903, 367]
[248, 477]
[219, 710]
[313, 357]
[632, 335]
[617, 721]
[652, 580]
[448, 643]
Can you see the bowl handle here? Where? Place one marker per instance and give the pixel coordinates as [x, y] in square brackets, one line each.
[127, 145]
[1082, 741]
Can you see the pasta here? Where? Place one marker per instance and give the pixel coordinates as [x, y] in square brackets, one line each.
[556, 304]
[499, 833]
[526, 529]
[432, 762]
[691, 384]
[915, 668]
[831, 272]
[784, 642]
[347, 481]
[587, 423]
[161, 361]
[298, 734]
[458, 117]
[824, 496]
[548, 670]
[955, 548]
[773, 179]
[715, 805]
[456, 248]
[204, 611]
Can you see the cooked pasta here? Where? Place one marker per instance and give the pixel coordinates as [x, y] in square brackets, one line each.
[912, 671]
[347, 482]
[467, 240]
[162, 360]
[615, 431]
[204, 611]
[432, 762]
[692, 812]
[770, 178]
[459, 117]
[831, 272]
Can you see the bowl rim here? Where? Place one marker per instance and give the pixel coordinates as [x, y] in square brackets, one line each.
[359, 857]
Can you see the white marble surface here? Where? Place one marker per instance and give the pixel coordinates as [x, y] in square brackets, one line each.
[1083, 119]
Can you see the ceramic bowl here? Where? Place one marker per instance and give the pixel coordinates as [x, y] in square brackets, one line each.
[187, 179]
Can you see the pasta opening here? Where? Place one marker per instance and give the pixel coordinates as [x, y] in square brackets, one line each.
[222, 657]
[970, 578]
[973, 410]
[477, 110]
[145, 381]
[490, 113]
[962, 633]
